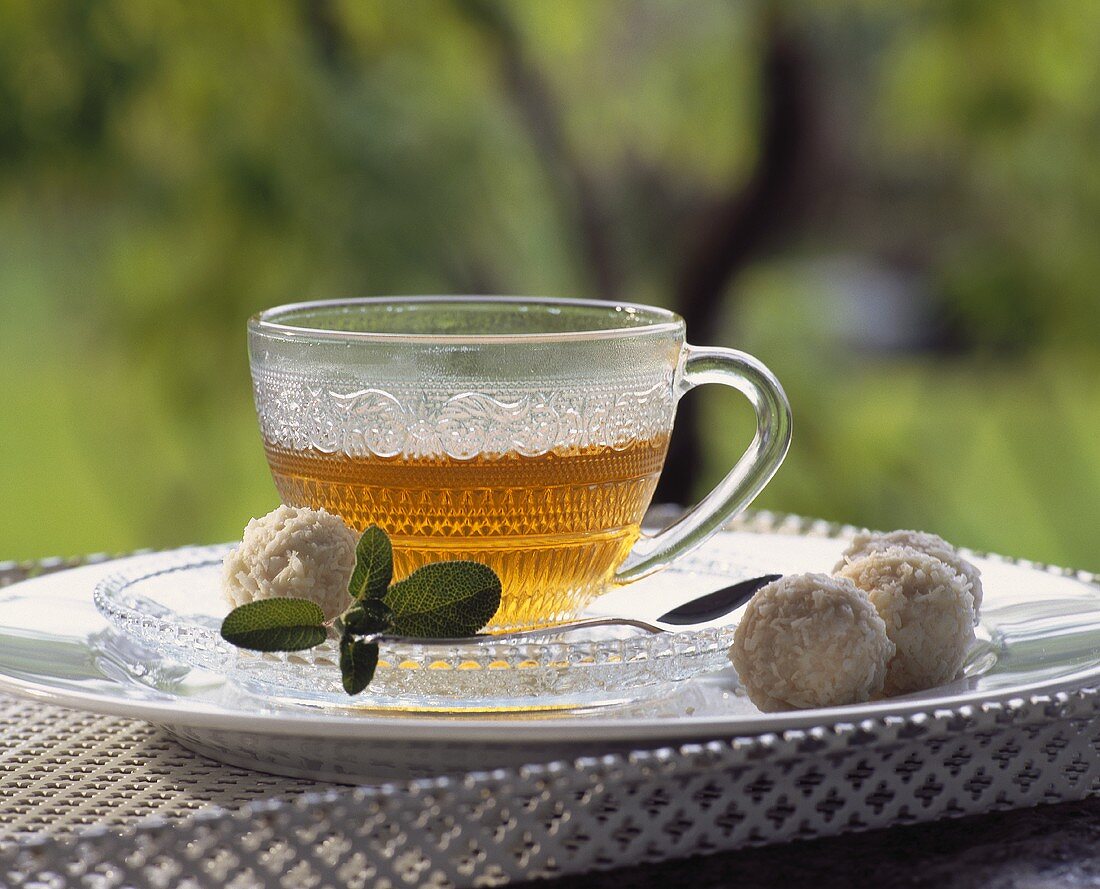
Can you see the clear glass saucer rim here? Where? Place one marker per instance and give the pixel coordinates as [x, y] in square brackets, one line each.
[589, 667]
[108, 600]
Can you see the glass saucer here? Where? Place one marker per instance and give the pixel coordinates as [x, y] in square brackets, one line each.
[172, 602]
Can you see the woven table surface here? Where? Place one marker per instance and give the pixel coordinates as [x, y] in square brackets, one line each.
[65, 770]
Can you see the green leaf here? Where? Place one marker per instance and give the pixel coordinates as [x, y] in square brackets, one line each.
[444, 599]
[365, 618]
[373, 565]
[275, 625]
[358, 660]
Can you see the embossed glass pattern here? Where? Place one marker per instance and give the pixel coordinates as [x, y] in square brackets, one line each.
[527, 434]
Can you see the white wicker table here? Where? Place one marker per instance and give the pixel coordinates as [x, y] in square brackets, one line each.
[88, 800]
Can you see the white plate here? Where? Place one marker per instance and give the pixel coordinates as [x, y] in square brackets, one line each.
[1042, 629]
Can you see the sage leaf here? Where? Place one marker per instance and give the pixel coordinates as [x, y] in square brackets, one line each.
[365, 618]
[358, 660]
[275, 625]
[373, 565]
[444, 599]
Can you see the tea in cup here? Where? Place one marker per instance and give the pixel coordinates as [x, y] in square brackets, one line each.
[524, 433]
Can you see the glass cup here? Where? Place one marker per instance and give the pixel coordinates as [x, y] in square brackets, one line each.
[524, 433]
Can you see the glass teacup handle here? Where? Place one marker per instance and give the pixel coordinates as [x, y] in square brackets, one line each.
[747, 478]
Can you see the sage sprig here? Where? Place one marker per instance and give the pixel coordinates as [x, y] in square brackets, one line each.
[373, 565]
[438, 601]
[444, 599]
[275, 625]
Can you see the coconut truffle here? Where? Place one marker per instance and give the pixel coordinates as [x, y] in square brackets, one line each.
[296, 552]
[810, 640]
[867, 543]
[928, 610]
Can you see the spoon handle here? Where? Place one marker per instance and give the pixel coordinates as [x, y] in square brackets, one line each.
[698, 611]
[534, 633]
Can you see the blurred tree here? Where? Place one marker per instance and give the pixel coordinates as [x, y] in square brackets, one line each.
[813, 184]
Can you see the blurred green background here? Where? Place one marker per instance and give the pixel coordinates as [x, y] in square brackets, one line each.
[895, 205]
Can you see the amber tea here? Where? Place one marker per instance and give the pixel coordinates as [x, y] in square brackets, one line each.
[526, 433]
[554, 526]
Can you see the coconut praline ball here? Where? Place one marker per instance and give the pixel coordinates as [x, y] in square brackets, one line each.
[810, 640]
[928, 610]
[295, 552]
[866, 543]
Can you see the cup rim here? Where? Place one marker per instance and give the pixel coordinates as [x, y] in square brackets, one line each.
[661, 321]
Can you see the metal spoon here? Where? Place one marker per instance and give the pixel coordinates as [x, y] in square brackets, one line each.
[717, 604]
[701, 610]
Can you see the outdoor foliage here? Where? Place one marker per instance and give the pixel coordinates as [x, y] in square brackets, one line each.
[894, 205]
